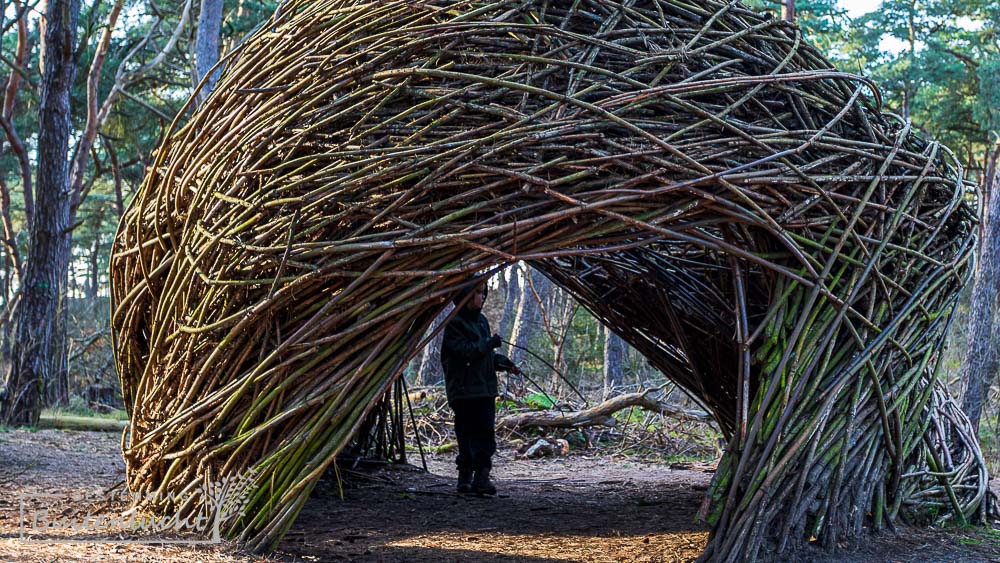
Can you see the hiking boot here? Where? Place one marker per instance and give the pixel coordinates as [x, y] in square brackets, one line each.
[464, 481]
[481, 484]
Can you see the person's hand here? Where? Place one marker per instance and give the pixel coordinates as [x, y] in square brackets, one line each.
[495, 342]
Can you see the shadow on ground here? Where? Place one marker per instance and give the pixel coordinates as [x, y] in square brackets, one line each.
[582, 510]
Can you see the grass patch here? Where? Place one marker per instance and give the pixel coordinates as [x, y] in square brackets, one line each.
[973, 535]
[78, 407]
[7, 429]
[985, 536]
[440, 449]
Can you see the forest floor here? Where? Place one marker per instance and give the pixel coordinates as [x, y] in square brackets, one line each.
[573, 508]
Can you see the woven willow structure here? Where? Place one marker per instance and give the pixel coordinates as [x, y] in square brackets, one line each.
[694, 173]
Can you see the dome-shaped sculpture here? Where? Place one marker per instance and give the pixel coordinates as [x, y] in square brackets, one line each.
[697, 176]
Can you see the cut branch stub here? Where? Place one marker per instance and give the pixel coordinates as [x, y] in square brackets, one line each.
[697, 176]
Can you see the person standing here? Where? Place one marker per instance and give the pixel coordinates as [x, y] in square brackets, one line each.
[470, 364]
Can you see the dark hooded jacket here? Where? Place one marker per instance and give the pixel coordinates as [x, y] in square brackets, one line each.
[469, 363]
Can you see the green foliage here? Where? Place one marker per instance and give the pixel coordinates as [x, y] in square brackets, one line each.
[631, 416]
[539, 401]
[134, 128]
[504, 405]
[824, 23]
[987, 110]
[5, 429]
[943, 75]
[936, 62]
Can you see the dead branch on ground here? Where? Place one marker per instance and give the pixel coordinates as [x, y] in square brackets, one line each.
[598, 415]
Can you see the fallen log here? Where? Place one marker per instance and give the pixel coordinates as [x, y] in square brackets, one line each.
[80, 423]
[598, 415]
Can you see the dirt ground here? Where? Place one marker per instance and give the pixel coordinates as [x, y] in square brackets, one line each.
[576, 508]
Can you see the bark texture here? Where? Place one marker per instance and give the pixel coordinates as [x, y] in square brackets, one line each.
[529, 314]
[431, 372]
[614, 362]
[788, 10]
[981, 364]
[38, 351]
[511, 294]
[206, 50]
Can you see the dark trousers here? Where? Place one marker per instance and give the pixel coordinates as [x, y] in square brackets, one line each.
[475, 421]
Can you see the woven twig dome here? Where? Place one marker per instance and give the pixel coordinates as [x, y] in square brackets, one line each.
[695, 174]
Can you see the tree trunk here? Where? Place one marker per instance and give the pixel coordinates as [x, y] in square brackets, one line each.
[510, 301]
[431, 372]
[116, 173]
[911, 39]
[614, 362]
[981, 361]
[788, 10]
[206, 52]
[12, 255]
[5, 332]
[94, 273]
[39, 348]
[21, 55]
[564, 308]
[528, 314]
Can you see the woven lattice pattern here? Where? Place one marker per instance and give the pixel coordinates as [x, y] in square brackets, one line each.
[694, 173]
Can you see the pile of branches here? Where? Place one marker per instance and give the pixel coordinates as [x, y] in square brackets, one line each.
[636, 423]
[630, 421]
[696, 175]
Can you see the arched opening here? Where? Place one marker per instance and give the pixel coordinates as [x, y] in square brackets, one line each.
[619, 483]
